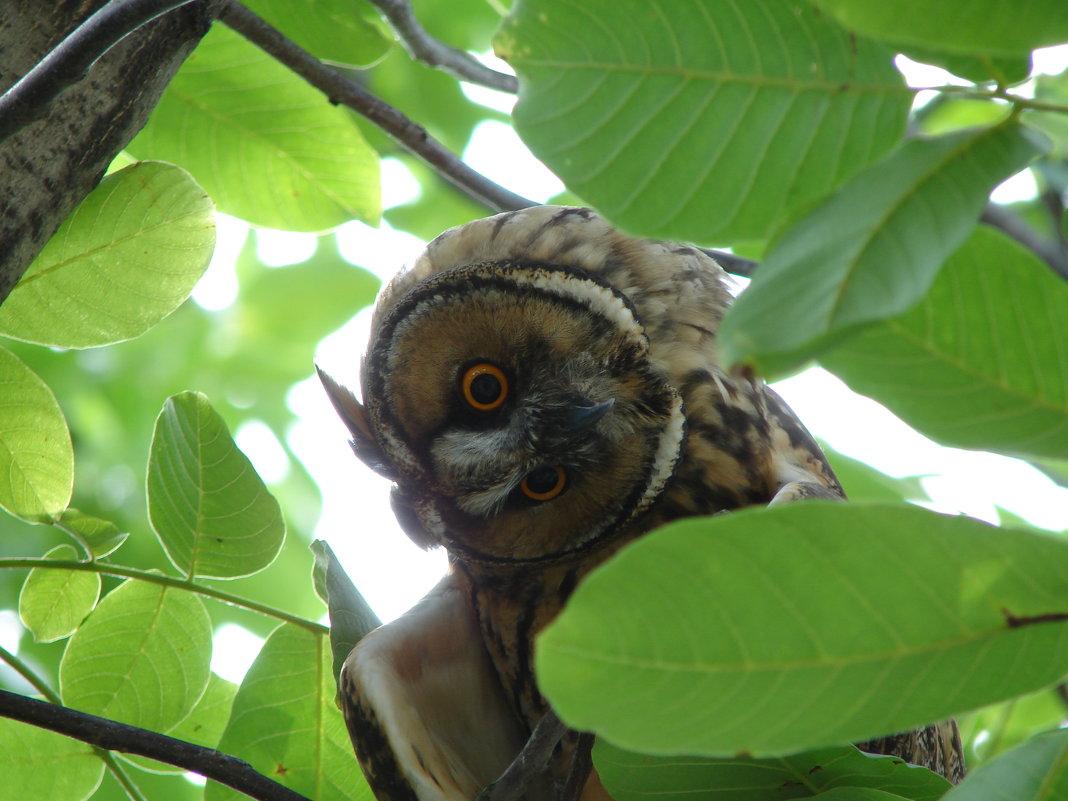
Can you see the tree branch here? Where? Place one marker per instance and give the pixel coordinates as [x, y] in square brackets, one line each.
[339, 89]
[114, 736]
[530, 761]
[48, 166]
[423, 47]
[1050, 252]
[29, 99]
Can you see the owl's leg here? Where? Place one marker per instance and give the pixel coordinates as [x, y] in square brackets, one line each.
[424, 707]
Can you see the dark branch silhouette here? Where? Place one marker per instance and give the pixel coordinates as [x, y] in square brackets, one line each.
[114, 736]
[340, 89]
[423, 47]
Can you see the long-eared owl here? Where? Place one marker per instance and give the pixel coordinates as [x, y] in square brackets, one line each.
[543, 389]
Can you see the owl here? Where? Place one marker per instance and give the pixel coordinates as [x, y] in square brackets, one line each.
[542, 389]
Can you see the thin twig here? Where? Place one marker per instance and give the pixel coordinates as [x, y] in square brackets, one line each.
[423, 47]
[530, 762]
[341, 90]
[114, 736]
[28, 100]
[1050, 252]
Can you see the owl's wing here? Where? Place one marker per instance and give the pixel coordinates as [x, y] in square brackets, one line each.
[423, 704]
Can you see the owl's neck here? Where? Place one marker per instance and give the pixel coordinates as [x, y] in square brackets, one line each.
[515, 601]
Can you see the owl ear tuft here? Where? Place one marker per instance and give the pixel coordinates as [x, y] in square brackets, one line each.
[354, 415]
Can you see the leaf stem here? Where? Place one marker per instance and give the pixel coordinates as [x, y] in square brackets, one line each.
[998, 93]
[166, 581]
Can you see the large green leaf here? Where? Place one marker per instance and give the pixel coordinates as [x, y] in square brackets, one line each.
[986, 27]
[701, 122]
[630, 776]
[770, 631]
[37, 763]
[206, 503]
[53, 603]
[142, 656]
[268, 148]
[285, 724]
[127, 256]
[982, 361]
[872, 250]
[341, 31]
[36, 455]
[1034, 771]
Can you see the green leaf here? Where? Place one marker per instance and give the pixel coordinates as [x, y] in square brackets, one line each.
[990, 27]
[285, 724]
[98, 537]
[350, 616]
[982, 361]
[680, 120]
[630, 776]
[978, 69]
[268, 148]
[340, 31]
[142, 656]
[36, 455]
[127, 256]
[769, 631]
[1034, 771]
[53, 603]
[872, 250]
[37, 763]
[1009, 724]
[207, 505]
[857, 794]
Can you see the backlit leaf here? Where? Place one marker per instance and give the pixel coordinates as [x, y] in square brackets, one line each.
[54, 602]
[770, 631]
[125, 258]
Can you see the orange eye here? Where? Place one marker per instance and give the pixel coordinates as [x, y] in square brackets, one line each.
[484, 386]
[544, 483]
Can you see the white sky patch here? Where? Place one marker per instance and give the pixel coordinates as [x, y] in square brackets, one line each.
[279, 248]
[383, 250]
[1021, 186]
[496, 151]
[10, 630]
[217, 288]
[256, 440]
[972, 482]
[389, 570]
[399, 186]
[234, 649]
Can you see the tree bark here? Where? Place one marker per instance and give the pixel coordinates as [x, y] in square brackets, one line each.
[49, 166]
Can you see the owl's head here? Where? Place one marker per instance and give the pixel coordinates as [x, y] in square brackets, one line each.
[508, 391]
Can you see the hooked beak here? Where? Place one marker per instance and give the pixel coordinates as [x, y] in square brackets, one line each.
[580, 418]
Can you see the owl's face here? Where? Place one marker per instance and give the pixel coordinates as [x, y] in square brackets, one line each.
[515, 406]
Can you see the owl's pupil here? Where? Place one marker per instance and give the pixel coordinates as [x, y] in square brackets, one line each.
[486, 389]
[542, 480]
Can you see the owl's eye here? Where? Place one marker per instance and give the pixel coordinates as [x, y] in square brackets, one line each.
[544, 483]
[484, 386]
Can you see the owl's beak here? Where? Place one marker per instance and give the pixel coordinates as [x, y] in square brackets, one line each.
[581, 418]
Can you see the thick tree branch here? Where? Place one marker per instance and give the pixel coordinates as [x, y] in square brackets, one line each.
[423, 47]
[48, 166]
[341, 90]
[113, 736]
[29, 99]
